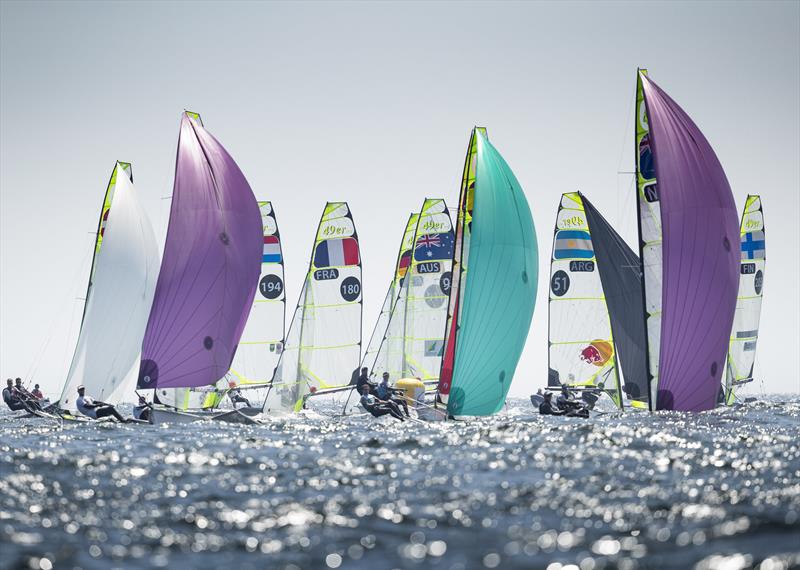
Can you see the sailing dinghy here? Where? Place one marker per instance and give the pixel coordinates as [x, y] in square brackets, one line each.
[596, 329]
[118, 299]
[209, 274]
[688, 233]
[493, 288]
[323, 343]
[409, 341]
[744, 334]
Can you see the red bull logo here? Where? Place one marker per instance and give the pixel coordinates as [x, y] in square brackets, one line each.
[597, 353]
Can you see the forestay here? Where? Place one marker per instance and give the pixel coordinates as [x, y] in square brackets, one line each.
[323, 344]
[118, 298]
[744, 335]
[376, 356]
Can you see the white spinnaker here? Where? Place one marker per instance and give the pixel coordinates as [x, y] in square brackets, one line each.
[262, 339]
[581, 348]
[744, 334]
[323, 345]
[106, 358]
[649, 208]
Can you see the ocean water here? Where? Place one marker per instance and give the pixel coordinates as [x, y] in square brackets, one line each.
[713, 490]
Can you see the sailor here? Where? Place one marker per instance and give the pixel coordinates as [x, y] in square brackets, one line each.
[10, 397]
[384, 392]
[378, 407]
[235, 394]
[141, 411]
[363, 380]
[28, 400]
[547, 408]
[37, 393]
[96, 410]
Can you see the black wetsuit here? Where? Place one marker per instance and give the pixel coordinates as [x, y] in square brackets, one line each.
[547, 408]
[364, 381]
[378, 408]
[384, 392]
[237, 398]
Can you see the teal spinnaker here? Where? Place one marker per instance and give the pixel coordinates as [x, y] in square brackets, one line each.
[498, 287]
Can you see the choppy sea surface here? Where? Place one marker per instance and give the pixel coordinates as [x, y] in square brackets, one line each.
[714, 490]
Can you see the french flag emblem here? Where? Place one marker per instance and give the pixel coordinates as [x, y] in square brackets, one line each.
[336, 253]
[272, 250]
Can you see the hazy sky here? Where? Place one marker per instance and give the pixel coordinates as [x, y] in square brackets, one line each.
[373, 103]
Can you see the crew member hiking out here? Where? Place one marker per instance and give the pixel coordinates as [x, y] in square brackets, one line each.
[95, 410]
[547, 408]
[385, 392]
[28, 400]
[378, 407]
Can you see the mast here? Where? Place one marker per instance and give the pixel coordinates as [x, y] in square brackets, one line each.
[639, 120]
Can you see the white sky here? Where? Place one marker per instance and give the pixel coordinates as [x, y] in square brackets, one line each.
[373, 104]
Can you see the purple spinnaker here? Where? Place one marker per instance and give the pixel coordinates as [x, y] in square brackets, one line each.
[700, 257]
[209, 270]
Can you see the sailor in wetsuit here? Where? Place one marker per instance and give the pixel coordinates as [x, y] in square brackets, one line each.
[547, 408]
[141, 411]
[378, 407]
[10, 397]
[37, 393]
[363, 380]
[28, 400]
[95, 410]
[235, 395]
[384, 392]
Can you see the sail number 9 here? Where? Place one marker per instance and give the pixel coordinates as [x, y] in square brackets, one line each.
[270, 287]
[350, 289]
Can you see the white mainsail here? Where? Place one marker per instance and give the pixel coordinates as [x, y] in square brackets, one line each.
[744, 335]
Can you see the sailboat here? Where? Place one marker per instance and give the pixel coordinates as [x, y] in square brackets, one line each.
[596, 329]
[408, 339]
[118, 297]
[209, 272]
[413, 338]
[744, 334]
[323, 343]
[688, 233]
[262, 340]
[493, 287]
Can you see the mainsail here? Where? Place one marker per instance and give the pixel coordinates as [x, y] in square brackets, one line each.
[118, 298]
[581, 347]
[687, 237]
[262, 339]
[413, 342]
[209, 273]
[376, 355]
[744, 335]
[323, 344]
[493, 290]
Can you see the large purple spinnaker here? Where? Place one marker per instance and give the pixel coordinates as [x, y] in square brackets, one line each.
[700, 257]
[209, 270]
